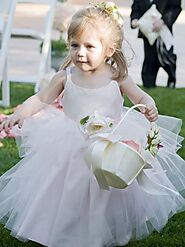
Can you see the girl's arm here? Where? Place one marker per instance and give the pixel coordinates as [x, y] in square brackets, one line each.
[138, 96]
[36, 102]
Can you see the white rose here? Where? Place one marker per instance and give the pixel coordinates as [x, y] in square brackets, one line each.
[97, 123]
[158, 138]
[95, 126]
[155, 141]
[153, 150]
[151, 134]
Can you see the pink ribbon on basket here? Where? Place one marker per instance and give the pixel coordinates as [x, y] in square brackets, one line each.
[117, 164]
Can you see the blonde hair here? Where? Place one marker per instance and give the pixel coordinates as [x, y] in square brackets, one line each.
[98, 18]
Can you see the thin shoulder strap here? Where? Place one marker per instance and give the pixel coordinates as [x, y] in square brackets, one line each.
[68, 71]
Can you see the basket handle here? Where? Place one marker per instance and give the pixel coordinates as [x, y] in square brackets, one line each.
[123, 118]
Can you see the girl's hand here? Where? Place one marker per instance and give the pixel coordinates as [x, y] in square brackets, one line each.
[29, 107]
[150, 112]
[135, 23]
[8, 122]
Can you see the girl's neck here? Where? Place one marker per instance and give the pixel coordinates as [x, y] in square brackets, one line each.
[103, 71]
[95, 78]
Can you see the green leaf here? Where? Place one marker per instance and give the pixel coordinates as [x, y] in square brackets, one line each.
[84, 120]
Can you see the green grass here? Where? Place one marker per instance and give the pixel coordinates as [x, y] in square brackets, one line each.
[59, 48]
[169, 102]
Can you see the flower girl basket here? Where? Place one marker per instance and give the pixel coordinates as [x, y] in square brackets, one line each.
[116, 164]
[113, 162]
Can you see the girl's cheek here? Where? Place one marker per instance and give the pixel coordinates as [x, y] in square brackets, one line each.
[72, 53]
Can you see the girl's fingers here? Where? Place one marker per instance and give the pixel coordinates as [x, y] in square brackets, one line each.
[150, 112]
[152, 118]
[151, 109]
[152, 115]
[20, 123]
[7, 123]
[2, 122]
[12, 123]
[142, 109]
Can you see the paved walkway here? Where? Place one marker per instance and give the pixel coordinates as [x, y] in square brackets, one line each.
[21, 56]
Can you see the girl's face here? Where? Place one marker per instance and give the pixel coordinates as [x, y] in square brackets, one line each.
[87, 51]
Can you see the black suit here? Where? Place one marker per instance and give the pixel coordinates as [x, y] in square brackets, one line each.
[170, 10]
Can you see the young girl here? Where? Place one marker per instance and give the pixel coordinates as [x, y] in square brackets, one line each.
[51, 196]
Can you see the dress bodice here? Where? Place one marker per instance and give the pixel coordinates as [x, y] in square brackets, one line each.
[79, 102]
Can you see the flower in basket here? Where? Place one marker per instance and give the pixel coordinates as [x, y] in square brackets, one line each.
[153, 140]
[95, 123]
[132, 144]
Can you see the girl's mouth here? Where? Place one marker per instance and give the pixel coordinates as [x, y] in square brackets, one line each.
[79, 61]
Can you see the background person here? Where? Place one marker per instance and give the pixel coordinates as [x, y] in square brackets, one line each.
[170, 9]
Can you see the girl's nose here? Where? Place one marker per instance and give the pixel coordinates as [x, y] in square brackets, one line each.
[81, 52]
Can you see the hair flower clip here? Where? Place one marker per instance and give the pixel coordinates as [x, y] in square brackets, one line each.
[111, 9]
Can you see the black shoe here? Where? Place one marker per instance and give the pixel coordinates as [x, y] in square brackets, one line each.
[171, 84]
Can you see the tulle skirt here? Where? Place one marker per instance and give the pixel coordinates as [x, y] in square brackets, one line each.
[53, 198]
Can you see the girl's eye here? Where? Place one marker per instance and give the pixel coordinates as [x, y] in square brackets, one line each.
[90, 46]
[73, 45]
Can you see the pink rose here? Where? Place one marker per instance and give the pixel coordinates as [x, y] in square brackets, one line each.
[132, 144]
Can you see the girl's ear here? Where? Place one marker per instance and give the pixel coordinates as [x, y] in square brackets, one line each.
[110, 50]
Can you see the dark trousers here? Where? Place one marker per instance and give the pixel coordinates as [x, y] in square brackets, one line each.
[151, 66]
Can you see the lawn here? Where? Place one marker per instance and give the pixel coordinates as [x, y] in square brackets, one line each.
[169, 102]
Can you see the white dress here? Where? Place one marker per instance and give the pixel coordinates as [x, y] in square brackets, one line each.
[52, 197]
